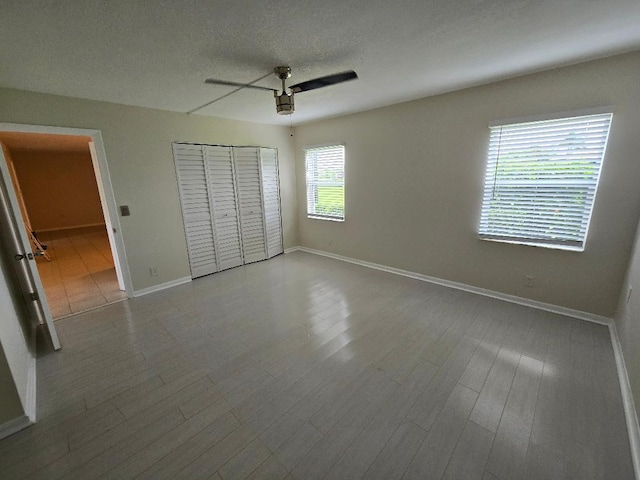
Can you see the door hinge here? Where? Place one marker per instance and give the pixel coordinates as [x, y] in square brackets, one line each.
[34, 296]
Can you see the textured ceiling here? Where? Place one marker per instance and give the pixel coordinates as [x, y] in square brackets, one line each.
[158, 53]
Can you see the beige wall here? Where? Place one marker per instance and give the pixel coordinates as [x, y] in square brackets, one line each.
[138, 147]
[628, 321]
[58, 188]
[414, 177]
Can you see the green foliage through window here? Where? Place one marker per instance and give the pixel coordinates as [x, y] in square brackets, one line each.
[325, 182]
[541, 180]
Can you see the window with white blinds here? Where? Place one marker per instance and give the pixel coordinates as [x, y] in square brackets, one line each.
[541, 180]
[324, 168]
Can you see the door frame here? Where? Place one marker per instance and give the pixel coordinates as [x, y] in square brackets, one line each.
[105, 189]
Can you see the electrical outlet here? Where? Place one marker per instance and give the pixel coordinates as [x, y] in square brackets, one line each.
[153, 271]
[330, 242]
[528, 281]
[629, 292]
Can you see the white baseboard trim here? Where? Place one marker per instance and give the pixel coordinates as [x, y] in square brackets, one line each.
[628, 403]
[162, 286]
[292, 249]
[548, 307]
[30, 407]
[86, 225]
[13, 426]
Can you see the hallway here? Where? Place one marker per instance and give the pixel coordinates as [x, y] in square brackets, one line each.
[81, 274]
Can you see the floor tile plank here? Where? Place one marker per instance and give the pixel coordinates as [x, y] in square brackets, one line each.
[509, 450]
[441, 441]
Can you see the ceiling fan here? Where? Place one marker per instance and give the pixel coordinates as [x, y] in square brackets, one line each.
[284, 101]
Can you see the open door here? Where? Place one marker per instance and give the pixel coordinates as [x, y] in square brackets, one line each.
[12, 224]
[107, 216]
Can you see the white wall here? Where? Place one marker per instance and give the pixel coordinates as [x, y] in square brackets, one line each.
[414, 178]
[138, 147]
[627, 320]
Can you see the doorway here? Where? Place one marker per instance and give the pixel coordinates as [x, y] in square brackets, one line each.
[63, 191]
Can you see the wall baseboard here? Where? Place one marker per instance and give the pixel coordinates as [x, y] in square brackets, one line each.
[86, 225]
[590, 317]
[630, 414]
[161, 286]
[292, 249]
[14, 426]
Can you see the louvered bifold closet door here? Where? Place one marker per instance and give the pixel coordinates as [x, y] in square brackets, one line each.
[196, 208]
[247, 170]
[222, 191]
[271, 200]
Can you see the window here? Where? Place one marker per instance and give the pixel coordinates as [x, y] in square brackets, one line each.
[541, 180]
[325, 182]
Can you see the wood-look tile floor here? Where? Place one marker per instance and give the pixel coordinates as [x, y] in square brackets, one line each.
[302, 367]
[81, 274]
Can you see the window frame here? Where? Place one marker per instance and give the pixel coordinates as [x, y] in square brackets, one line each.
[319, 216]
[490, 177]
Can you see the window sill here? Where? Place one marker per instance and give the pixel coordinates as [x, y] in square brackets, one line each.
[330, 219]
[552, 246]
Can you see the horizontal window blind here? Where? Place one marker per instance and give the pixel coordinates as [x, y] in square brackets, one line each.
[541, 180]
[325, 182]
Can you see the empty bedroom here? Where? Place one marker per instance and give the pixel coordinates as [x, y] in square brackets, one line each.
[348, 240]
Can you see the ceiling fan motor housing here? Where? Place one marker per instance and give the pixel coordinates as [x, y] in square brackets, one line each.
[284, 103]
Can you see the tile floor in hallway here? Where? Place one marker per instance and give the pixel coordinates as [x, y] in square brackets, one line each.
[81, 273]
[303, 367]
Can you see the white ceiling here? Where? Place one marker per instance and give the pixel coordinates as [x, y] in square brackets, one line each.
[158, 53]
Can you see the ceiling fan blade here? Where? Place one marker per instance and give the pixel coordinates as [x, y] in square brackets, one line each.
[213, 81]
[324, 81]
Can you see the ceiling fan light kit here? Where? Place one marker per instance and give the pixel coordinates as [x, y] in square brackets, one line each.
[284, 101]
